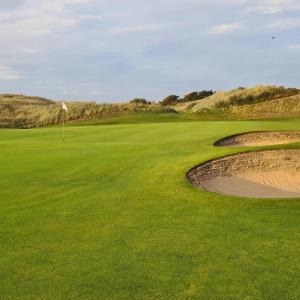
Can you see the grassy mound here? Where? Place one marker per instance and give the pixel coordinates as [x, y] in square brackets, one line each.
[221, 101]
[18, 111]
[277, 108]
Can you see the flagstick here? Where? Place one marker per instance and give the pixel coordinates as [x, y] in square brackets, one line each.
[63, 108]
[63, 135]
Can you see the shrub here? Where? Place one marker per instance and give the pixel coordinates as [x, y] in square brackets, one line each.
[193, 96]
[139, 101]
[170, 100]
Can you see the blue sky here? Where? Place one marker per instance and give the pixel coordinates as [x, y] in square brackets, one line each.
[120, 49]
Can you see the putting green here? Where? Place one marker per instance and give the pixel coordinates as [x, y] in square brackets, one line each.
[109, 214]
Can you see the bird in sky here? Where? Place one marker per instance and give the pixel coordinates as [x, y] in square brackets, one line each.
[273, 37]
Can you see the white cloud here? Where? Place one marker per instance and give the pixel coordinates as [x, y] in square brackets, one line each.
[225, 28]
[274, 6]
[29, 50]
[90, 17]
[285, 24]
[136, 29]
[73, 92]
[36, 17]
[33, 27]
[294, 48]
[6, 73]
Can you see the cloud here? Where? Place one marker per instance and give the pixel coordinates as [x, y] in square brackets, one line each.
[285, 24]
[275, 6]
[68, 48]
[90, 17]
[35, 18]
[136, 29]
[72, 92]
[294, 48]
[226, 28]
[6, 73]
[34, 28]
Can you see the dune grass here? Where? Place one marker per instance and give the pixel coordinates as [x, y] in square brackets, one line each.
[19, 111]
[109, 215]
[223, 101]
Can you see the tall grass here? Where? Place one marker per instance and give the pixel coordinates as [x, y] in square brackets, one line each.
[242, 96]
[277, 108]
[17, 111]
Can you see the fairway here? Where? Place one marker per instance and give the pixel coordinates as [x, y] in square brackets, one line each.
[109, 214]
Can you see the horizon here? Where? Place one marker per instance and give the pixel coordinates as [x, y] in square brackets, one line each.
[86, 50]
[137, 97]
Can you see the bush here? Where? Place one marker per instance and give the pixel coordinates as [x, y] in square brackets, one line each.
[139, 101]
[170, 100]
[193, 96]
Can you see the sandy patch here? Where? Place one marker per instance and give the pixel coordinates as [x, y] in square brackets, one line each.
[260, 139]
[261, 174]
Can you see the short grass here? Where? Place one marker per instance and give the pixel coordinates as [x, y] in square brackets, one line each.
[109, 215]
[149, 117]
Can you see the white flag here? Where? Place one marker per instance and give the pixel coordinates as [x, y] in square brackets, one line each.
[64, 106]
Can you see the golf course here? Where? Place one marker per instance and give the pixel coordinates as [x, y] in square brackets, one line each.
[149, 150]
[110, 214]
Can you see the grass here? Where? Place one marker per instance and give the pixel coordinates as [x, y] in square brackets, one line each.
[248, 103]
[109, 215]
[244, 96]
[276, 108]
[148, 117]
[19, 111]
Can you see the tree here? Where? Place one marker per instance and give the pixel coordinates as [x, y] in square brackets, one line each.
[170, 100]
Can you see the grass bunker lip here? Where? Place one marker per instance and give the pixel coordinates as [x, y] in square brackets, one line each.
[256, 174]
[259, 138]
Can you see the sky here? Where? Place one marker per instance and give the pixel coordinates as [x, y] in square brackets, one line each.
[116, 50]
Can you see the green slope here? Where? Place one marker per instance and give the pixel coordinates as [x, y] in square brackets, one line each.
[110, 215]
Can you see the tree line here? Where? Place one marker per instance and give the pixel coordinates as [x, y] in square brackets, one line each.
[174, 99]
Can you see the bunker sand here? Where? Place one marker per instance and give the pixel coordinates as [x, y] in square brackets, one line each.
[261, 174]
[262, 138]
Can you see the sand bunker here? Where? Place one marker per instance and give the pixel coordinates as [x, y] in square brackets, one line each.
[260, 139]
[261, 174]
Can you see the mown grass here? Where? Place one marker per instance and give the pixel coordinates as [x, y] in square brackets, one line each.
[109, 215]
[149, 117]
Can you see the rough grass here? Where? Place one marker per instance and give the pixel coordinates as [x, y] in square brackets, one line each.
[18, 111]
[109, 215]
[238, 97]
[277, 108]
